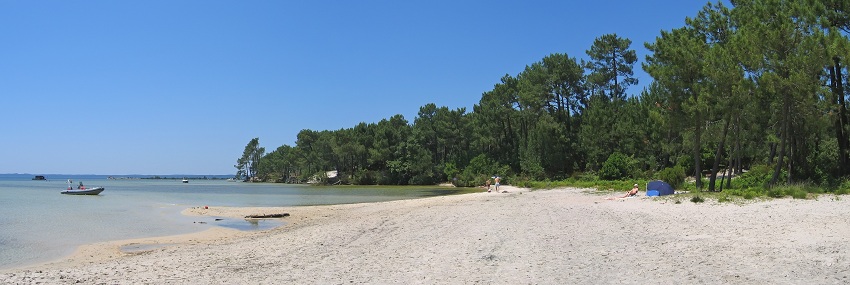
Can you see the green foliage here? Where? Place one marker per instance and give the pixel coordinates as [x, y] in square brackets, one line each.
[775, 193]
[697, 199]
[450, 170]
[247, 166]
[582, 182]
[799, 194]
[364, 177]
[748, 193]
[611, 63]
[616, 167]
[758, 176]
[843, 188]
[675, 176]
[797, 191]
[480, 169]
[584, 176]
[760, 67]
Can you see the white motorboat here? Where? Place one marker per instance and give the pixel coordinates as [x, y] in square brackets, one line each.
[84, 191]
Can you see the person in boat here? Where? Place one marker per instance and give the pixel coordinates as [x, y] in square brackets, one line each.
[81, 186]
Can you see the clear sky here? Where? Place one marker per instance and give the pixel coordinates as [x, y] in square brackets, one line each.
[180, 87]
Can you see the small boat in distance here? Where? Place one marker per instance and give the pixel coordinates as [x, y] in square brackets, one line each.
[81, 190]
[39, 177]
[84, 191]
[185, 180]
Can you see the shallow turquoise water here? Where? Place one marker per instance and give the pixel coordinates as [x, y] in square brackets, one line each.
[38, 224]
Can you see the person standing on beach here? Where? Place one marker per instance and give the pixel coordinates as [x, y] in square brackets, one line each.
[487, 185]
[497, 180]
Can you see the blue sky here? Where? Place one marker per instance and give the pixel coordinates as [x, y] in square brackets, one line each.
[180, 87]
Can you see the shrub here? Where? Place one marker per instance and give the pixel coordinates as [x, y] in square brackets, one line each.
[615, 168]
[364, 177]
[532, 168]
[758, 176]
[480, 169]
[734, 192]
[798, 194]
[843, 187]
[675, 176]
[697, 199]
[584, 176]
[450, 170]
[775, 193]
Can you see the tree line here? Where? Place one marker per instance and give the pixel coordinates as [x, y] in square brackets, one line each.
[760, 84]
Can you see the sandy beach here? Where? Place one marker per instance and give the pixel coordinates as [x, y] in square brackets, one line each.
[559, 236]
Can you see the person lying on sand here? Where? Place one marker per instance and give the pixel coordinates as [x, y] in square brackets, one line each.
[631, 193]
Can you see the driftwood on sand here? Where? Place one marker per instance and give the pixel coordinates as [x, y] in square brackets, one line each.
[267, 216]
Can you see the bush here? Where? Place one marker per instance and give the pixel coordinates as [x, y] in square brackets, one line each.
[843, 188]
[675, 176]
[798, 194]
[758, 176]
[734, 192]
[582, 176]
[775, 193]
[364, 177]
[450, 170]
[615, 168]
[697, 199]
[480, 169]
[533, 169]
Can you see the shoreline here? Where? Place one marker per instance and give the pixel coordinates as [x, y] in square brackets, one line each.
[116, 249]
[556, 236]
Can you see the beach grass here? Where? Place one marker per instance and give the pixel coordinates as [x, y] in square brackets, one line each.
[689, 190]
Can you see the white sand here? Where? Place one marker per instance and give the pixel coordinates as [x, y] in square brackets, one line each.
[562, 236]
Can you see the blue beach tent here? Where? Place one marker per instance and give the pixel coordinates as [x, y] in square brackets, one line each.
[658, 188]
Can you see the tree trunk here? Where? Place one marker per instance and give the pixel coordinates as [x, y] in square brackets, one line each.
[696, 152]
[772, 154]
[739, 168]
[783, 141]
[716, 167]
[837, 86]
[735, 156]
[728, 176]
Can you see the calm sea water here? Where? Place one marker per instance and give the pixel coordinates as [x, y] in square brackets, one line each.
[39, 224]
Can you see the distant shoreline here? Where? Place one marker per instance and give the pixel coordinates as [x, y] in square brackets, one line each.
[60, 176]
[171, 178]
